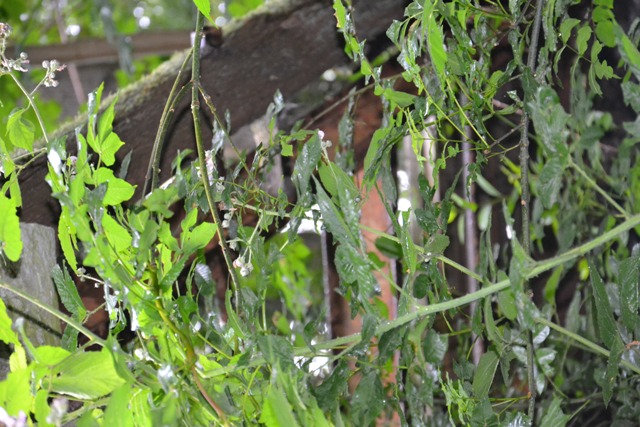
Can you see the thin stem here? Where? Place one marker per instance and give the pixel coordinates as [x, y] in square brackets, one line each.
[153, 171]
[93, 338]
[589, 345]
[526, 198]
[204, 175]
[33, 106]
[420, 312]
[598, 189]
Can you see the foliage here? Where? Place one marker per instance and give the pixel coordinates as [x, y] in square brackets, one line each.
[270, 362]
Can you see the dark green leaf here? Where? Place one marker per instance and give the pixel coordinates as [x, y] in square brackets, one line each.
[551, 181]
[629, 283]
[368, 399]
[553, 415]
[306, 164]
[485, 372]
[604, 315]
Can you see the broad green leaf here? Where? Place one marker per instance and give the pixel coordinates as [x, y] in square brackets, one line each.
[629, 283]
[85, 375]
[354, 268]
[199, 237]
[20, 131]
[434, 347]
[435, 40]
[436, 244]
[118, 190]
[109, 147]
[604, 314]
[276, 410]
[66, 237]
[388, 247]
[389, 342]
[565, 28]
[332, 388]
[116, 234]
[402, 99]
[551, 181]
[332, 217]
[485, 373]
[68, 292]
[306, 164]
[553, 415]
[368, 398]
[550, 121]
[105, 124]
[16, 389]
[50, 356]
[118, 413]
[582, 38]
[615, 355]
[10, 237]
[7, 334]
[204, 6]
[277, 351]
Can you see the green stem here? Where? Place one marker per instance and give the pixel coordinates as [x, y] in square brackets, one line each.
[420, 312]
[590, 345]
[93, 338]
[33, 106]
[153, 171]
[598, 189]
[204, 175]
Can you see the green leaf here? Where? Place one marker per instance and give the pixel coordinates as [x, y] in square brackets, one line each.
[277, 351]
[434, 347]
[204, 6]
[86, 375]
[551, 181]
[553, 415]
[306, 164]
[116, 234]
[199, 237]
[10, 240]
[118, 413]
[20, 131]
[340, 13]
[118, 190]
[485, 373]
[549, 120]
[582, 39]
[604, 314]
[565, 28]
[276, 410]
[7, 334]
[402, 99]
[68, 292]
[615, 355]
[368, 398]
[332, 217]
[629, 283]
[436, 244]
[435, 41]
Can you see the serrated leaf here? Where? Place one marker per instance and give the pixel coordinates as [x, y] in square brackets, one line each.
[485, 373]
[306, 164]
[68, 292]
[629, 283]
[332, 217]
[368, 398]
[553, 415]
[604, 314]
[277, 351]
[551, 181]
[565, 28]
[10, 236]
[582, 38]
[21, 132]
